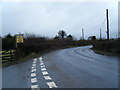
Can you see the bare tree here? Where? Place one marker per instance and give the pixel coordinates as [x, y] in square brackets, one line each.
[62, 34]
[70, 37]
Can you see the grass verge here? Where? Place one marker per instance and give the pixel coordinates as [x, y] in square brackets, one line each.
[105, 52]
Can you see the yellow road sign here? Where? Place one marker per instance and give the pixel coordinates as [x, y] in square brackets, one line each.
[19, 39]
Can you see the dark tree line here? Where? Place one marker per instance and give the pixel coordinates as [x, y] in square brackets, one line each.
[36, 43]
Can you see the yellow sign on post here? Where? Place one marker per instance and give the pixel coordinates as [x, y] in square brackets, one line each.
[19, 39]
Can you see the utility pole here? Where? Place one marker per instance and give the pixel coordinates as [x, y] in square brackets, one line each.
[100, 33]
[118, 34]
[107, 24]
[82, 34]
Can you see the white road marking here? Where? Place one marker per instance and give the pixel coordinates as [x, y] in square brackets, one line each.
[35, 59]
[34, 62]
[43, 69]
[45, 72]
[47, 78]
[42, 66]
[41, 63]
[33, 74]
[34, 86]
[33, 80]
[51, 85]
[40, 58]
[33, 65]
[33, 70]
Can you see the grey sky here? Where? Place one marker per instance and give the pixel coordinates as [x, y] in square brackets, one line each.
[47, 18]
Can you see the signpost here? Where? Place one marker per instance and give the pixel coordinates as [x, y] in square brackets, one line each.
[19, 40]
[19, 45]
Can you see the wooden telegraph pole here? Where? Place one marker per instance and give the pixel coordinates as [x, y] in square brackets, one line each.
[107, 24]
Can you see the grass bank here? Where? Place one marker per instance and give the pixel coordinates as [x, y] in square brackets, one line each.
[105, 53]
[107, 47]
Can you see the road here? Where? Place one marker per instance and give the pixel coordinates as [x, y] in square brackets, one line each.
[76, 67]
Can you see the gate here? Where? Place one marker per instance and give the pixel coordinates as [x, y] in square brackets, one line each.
[7, 55]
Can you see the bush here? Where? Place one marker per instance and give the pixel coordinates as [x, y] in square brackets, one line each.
[108, 46]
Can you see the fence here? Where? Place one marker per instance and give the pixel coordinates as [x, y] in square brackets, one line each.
[7, 55]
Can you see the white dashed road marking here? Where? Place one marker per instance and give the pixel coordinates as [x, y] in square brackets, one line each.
[34, 86]
[41, 63]
[43, 69]
[45, 72]
[47, 78]
[42, 66]
[50, 83]
[33, 65]
[33, 75]
[34, 80]
[33, 70]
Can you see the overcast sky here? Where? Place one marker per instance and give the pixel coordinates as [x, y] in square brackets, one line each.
[47, 18]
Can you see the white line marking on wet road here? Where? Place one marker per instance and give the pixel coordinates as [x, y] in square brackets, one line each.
[42, 66]
[44, 72]
[43, 69]
[51, 85]
[33, 74]
[33, 65]
[41, 63]
[35, 59]
[33, 80]
[34, 62]
[47, 78]
[33, 70]
[34, 86]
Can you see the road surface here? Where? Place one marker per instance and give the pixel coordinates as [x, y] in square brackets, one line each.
[76, 67]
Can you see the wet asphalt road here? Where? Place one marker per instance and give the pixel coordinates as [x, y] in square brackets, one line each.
[69, 68]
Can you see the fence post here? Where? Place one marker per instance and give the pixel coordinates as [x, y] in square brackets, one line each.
[11, 55]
